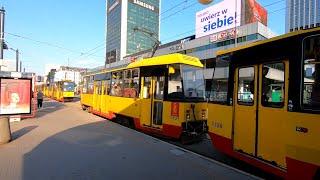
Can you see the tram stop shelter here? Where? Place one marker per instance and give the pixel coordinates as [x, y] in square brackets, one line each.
[15, 99]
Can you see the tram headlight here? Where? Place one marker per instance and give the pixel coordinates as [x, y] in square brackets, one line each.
[203, 114]
[188, 115]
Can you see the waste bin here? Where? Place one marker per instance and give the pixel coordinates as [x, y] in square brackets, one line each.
[5, 132]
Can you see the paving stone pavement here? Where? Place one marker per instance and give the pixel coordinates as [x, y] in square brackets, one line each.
[64, 142]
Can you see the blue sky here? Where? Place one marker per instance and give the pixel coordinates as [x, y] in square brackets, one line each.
[53, 31]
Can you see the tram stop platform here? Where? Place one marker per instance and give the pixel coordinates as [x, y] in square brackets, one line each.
[64, 142]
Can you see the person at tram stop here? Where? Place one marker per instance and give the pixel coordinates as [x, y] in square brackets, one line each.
[40, 98]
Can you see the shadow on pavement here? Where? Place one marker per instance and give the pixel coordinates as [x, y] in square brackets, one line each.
[76, 99]
[83, 152]
[19, 133]
[49, 106]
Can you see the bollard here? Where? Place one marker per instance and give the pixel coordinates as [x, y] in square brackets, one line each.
[5, 132]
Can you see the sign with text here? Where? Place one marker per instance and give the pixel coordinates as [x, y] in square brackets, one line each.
[15, 96]
[219, 17]
[224, 35]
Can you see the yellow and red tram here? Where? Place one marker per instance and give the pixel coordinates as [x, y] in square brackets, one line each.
[162, 95]
[266, 109]
[61, 90]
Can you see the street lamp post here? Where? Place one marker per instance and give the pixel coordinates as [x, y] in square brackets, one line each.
[17, 58]
[235, 24]
[2, 14]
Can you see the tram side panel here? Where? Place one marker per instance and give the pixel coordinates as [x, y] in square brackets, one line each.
[302, 148]
[129, 107]
[86, 100]
[267, 124]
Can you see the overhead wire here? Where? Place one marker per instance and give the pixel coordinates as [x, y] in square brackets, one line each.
[79, 52]
[86, 54]
[43, 42]
[176, 12]
[173, 7]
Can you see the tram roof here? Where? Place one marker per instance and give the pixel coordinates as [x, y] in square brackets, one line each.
[257, 43]
[167, 59]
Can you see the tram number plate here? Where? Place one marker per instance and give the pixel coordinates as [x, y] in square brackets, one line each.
[302, 129]
[217, 124]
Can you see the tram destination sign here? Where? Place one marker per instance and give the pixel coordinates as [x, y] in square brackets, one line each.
[219, 17]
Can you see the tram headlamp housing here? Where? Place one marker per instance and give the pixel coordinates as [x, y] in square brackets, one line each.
[188, 115]
[171, 70]
[203, 114]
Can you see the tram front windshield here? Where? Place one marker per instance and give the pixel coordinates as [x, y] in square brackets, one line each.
[186, 83]
[68, 86]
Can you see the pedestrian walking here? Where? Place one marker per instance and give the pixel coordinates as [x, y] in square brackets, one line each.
[40, 99]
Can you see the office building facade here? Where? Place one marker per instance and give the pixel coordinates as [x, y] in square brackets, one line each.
[131, 26]
[302, 14]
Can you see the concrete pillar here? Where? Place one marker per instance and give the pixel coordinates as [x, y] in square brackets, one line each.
[5, 132]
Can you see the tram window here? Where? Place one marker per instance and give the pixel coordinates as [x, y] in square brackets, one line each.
[175, 84]
[217, 80]
[159, 87]
[127, 83]
[117, 84]
[146, 87]
[90, 88]
[106, 87]
[193, 82]
[99, 87]
[90, 85]
[273, 85]
[131, 83]
[135, 81]
[85, 85]
[311, 80]
[246, 86]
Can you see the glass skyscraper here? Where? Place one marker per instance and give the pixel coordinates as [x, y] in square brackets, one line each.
[132, 26]
[302, 14]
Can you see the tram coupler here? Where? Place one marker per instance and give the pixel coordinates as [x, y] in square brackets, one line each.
[193, 131]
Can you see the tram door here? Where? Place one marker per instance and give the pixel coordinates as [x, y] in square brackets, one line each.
[245, 109]
[260, 111]
[96, 95]
[157, 100]
[152, 103]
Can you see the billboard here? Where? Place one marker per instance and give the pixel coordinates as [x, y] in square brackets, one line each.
[15, 96]
[255, 12]
[219, 17]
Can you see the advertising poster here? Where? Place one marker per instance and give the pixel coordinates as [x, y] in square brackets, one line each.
[15, 96]
[255, 12]
[219, 17]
